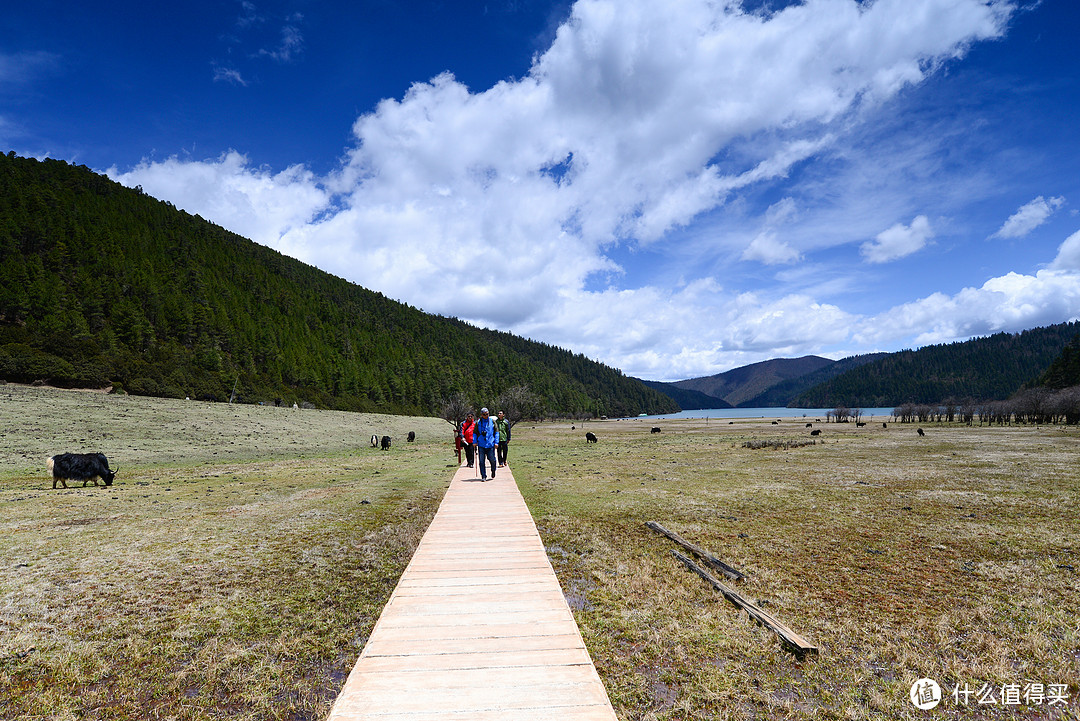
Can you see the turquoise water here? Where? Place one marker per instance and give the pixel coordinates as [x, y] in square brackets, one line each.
[728, 413]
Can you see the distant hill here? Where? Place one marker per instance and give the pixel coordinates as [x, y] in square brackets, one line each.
[688, 400]
[988, 368]
[101, 284]
[746, 383]
[785, 392]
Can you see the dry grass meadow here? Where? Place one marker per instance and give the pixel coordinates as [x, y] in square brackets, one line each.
[237, 565]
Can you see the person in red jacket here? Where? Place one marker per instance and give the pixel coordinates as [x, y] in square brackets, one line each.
[468, 426]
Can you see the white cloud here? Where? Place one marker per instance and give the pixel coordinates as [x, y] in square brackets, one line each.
[254, 202]
[1011, 302]
[898, 241]
[1068, 257]
[229, 75]
[767, 249]
[651, 114]
[1029, 217]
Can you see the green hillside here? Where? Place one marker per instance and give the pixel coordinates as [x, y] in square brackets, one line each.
[989, 368]
[101, 284]
[1064, 372]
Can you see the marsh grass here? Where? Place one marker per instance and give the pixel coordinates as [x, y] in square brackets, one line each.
[234, 570]
[952, 556]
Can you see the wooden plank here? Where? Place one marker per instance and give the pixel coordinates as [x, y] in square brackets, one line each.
[791, 640]
[708, 558]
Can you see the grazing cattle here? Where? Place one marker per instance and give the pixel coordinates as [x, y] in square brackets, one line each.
[655, 429]
[386, 443]
[776, 423]
[374, 441]
[590, 437]
[412, 436]
[920, 431]
[816, 432]
[859, 424]
[809, 425]
[83, 467]
[884, 425]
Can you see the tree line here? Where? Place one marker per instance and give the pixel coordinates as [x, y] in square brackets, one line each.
[1039, 404]
[103, 285]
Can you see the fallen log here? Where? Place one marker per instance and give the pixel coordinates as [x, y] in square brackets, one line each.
[791, 640]
[709, 559]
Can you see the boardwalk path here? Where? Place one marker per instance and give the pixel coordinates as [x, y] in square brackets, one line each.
[477, 627]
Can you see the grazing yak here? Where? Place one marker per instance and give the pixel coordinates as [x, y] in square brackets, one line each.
[83, 467]
[655, 429]
[590, 437]
[816, 432]
[386, 443]
[411, 437]
[374, 441]
[920, 431]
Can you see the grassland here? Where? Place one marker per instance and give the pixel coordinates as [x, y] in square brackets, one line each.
[952, 556]
[233, 570]
[241, 559]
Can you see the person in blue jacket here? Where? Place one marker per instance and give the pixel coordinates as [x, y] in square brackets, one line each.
[486, 435]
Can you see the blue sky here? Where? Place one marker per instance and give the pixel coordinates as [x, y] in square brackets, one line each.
[675, 189]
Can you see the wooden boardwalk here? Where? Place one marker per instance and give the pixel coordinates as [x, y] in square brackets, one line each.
[477, 627]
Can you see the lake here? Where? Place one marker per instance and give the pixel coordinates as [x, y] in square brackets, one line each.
[726, 413]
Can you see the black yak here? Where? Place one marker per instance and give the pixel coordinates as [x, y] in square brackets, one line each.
[83, 467]
[412, 436]
[815, 432]
[386, 443]
[590, 437]
[655, 429]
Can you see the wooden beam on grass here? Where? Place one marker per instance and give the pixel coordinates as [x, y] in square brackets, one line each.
[709, 559]
[791, 640]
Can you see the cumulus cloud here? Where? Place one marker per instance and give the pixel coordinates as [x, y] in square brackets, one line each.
[1068, 257]
[898, 241]
[501, 206]
[1029, 217]
[1011, 302]
[253, 202]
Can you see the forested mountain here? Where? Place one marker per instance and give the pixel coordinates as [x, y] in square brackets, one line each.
[783, 393]
[687, 399]
[739, 385]
[989, 368]
[101, 284]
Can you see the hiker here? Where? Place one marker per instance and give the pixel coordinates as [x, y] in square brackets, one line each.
[487, 440]
[459, 443]
[468, 426]
[504, 437]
